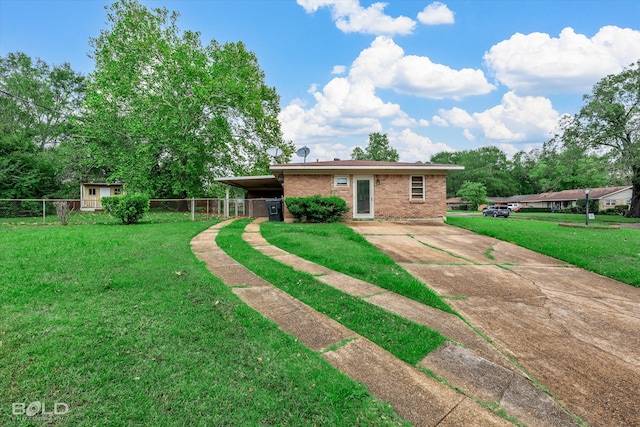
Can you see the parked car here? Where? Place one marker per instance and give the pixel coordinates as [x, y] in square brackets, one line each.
[514, 207]
[496, 211]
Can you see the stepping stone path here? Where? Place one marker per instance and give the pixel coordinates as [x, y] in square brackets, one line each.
[477, 369]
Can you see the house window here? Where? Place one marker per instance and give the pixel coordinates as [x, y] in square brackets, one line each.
[117, 191]
[92, 191]
[610, 202]
[417, 187]
[341, 181]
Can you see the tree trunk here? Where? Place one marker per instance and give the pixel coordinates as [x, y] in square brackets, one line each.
[634, 206]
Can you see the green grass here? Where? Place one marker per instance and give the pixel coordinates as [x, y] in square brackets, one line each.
[94, 218]
[602, 220]
[339, 248]
[127, 327]
[614, 253]
[406, 340]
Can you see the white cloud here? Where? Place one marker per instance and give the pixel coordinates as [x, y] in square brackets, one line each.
[348, 105]
[338, 69]
[342, 108]
[571, 63]
[515, 119]
[386, 64]
[439, 121]
[436, 14]
[413, 147]
[350, 17]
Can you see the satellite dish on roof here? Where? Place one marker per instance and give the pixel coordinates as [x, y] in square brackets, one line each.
[274, 152]
[303, 152]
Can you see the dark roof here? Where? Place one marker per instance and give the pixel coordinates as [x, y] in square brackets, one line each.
[558, 196]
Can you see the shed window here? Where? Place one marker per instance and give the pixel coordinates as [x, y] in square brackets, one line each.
[341, 181]
[417, 187]
[92, 191]
[117, 191]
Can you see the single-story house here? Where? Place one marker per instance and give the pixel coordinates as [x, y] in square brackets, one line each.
[607, 197]
[371, 189]
[91, 192]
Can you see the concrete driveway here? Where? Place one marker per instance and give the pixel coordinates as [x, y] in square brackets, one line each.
[576, 333]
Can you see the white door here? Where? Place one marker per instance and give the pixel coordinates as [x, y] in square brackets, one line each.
[363, 197]
[104, 192]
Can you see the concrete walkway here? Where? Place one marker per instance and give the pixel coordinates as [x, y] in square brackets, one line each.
[479, 370]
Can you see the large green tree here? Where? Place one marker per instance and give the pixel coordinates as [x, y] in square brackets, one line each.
[609, 122]
[38, 102]
[168, 114]
[378, 149]
[487, 165]
[557, 168]
[473, 192]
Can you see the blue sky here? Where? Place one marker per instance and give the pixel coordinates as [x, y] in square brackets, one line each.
[433, 76]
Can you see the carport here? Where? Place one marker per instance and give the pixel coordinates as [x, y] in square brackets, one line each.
[259, 189]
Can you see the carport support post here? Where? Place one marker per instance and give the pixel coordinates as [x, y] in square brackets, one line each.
[226, 203]
[235, 200]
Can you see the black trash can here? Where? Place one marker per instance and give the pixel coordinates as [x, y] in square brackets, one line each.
[274, 207]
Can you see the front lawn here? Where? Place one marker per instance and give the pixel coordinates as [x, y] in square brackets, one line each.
[125, 326]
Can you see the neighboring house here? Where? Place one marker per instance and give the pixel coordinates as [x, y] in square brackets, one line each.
[91, 192]
[455, 203]
[372, 190]
[607, 197]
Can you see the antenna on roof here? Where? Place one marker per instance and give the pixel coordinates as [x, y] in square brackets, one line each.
[303, 152]
[274, 152]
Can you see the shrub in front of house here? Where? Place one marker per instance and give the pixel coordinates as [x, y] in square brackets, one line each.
[316, 208]
[130, 208]
[617, 210]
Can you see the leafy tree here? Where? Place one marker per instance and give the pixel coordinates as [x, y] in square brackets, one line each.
[487, 165]
[609, 122]
[378, 149]
[473, 192]
[37, 102]
[557, 168]
[168, 114]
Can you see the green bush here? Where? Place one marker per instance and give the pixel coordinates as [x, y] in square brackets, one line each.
[616, 210]
[129, 207]
[316, 208]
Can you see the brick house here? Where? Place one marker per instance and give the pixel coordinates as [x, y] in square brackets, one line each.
[372, 190]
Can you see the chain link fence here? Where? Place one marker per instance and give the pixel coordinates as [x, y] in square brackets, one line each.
[44, 210]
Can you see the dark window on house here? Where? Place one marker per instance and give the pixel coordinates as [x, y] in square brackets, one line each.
[92, 191]
[117, 191]
[417, 187]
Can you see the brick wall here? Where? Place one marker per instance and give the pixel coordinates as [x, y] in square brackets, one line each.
[391, 195]
[391, 198]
